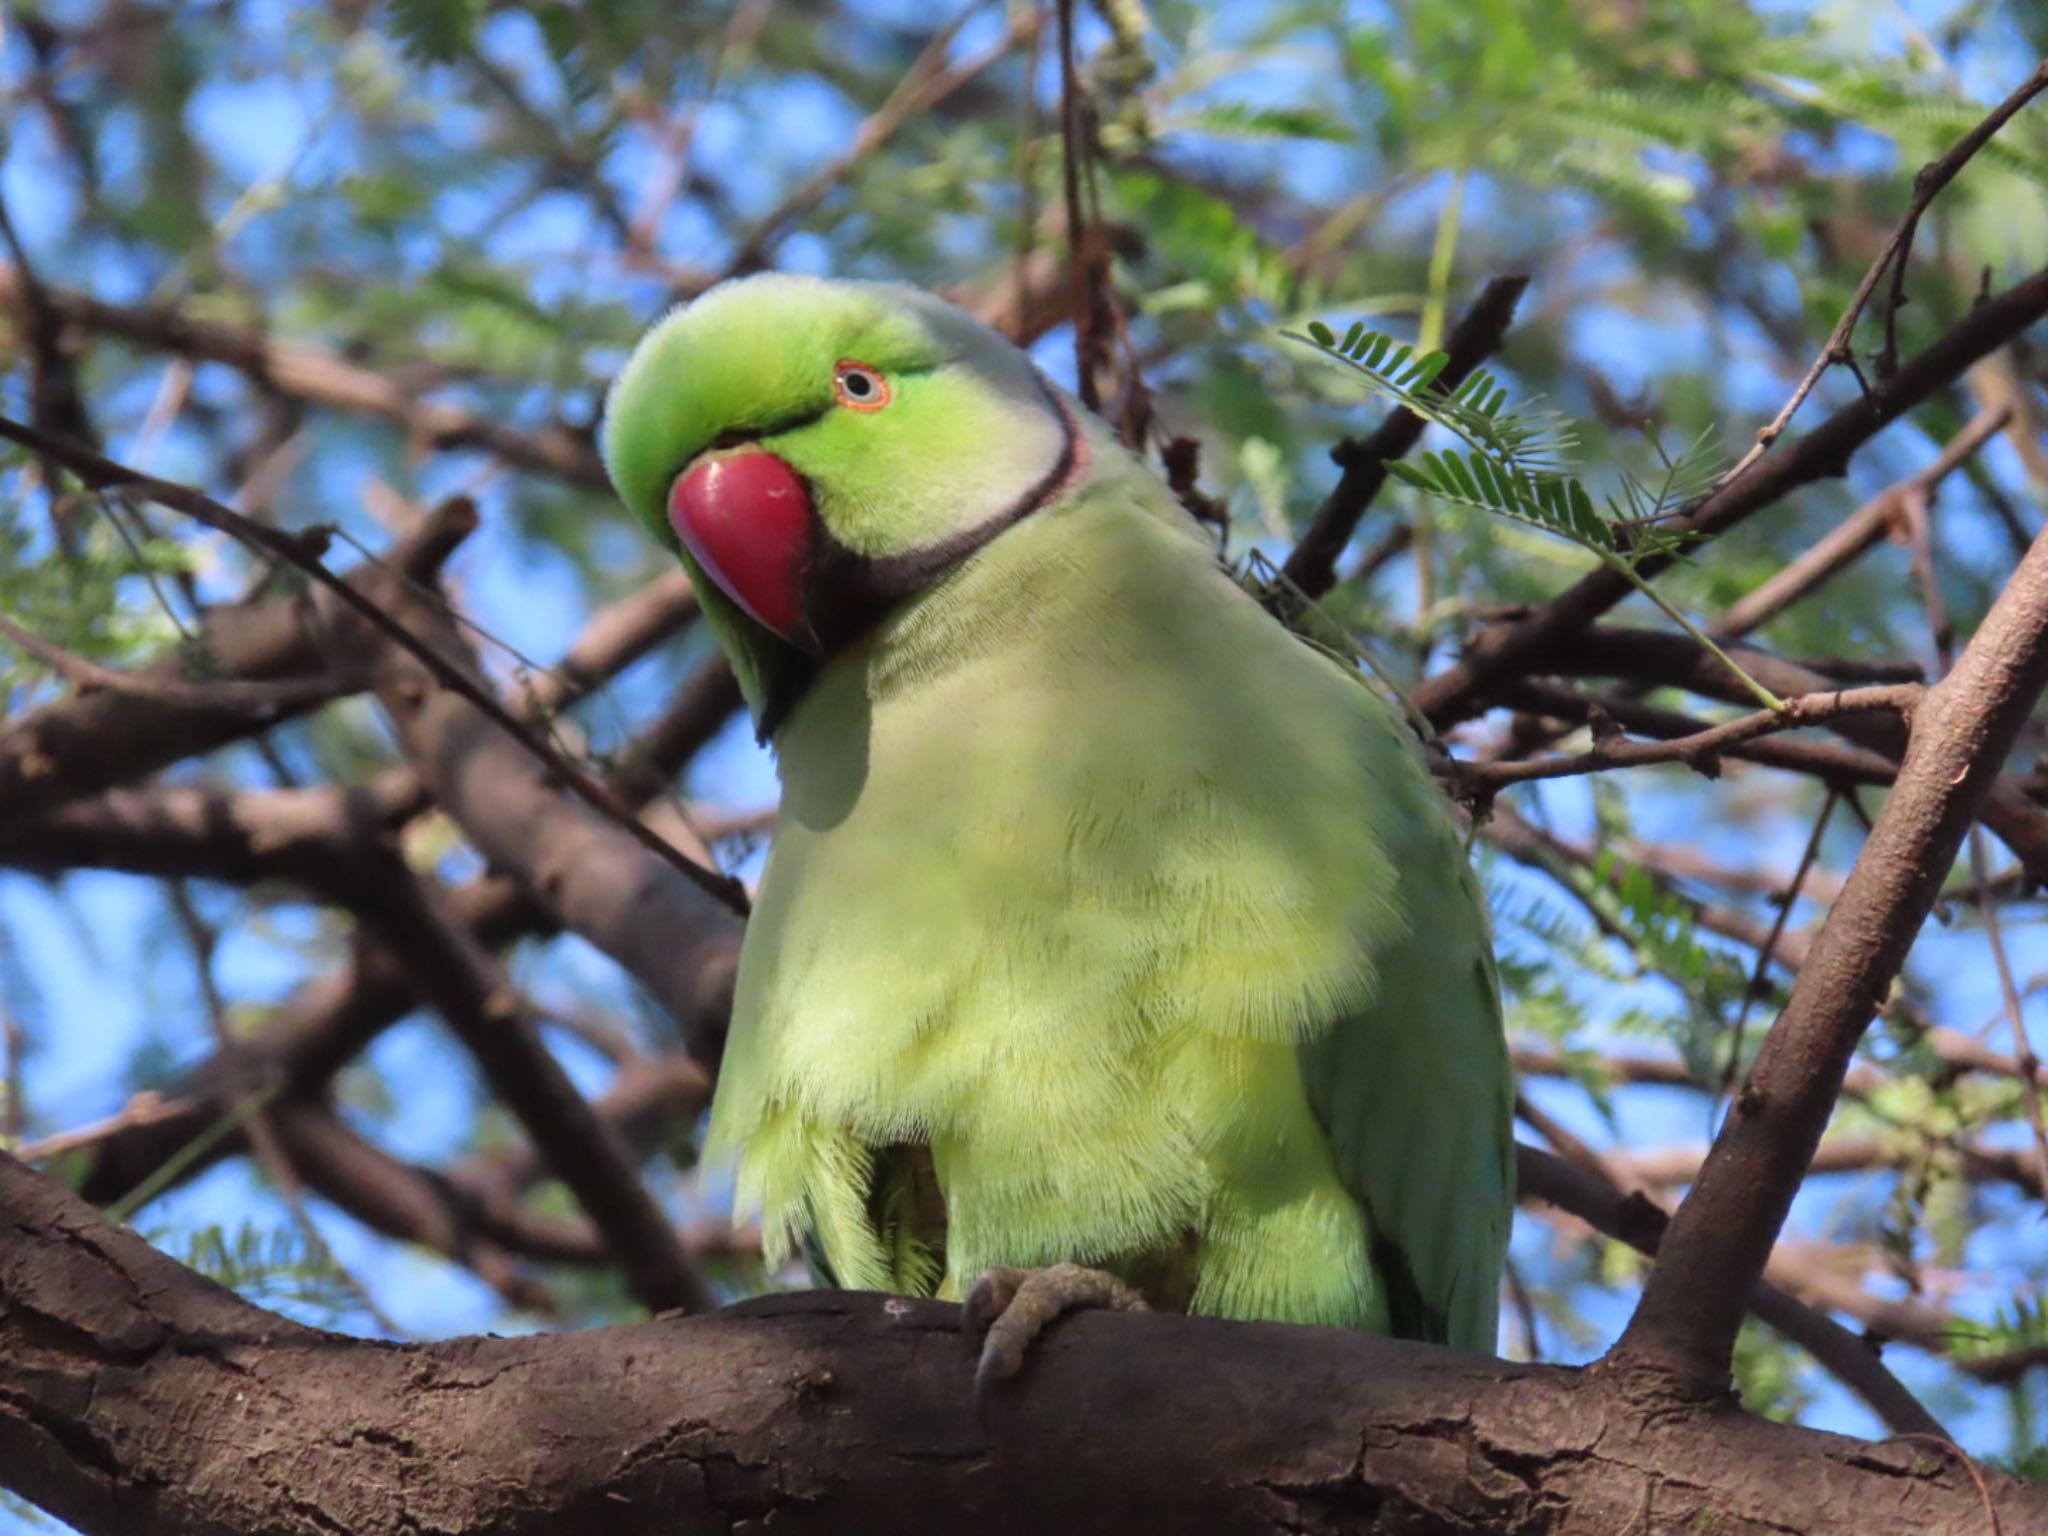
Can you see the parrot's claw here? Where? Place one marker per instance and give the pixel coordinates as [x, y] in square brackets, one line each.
[1009, 1308]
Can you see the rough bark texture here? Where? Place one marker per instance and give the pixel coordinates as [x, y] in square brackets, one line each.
[136, 1397]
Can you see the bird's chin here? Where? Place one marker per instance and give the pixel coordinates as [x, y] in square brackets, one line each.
[786, 673]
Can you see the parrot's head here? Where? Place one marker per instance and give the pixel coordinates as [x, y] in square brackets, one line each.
[820, 452]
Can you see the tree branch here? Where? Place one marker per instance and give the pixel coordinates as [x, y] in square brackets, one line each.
[485, 1012]
[1700, 749]
[80, 746]
[326, 1023]
[307, 372]
[1458, 690]
[136, 1397]
[586, 870]
[1722, 1235]
[924, 85]
[105, 474]
[1676, 661]
[1839, 547]
[1632, 1219]
[1928, 182]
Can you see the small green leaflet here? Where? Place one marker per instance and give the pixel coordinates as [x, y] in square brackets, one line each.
[1513, 463]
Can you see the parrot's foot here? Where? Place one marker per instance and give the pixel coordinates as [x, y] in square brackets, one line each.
[1009, 1308]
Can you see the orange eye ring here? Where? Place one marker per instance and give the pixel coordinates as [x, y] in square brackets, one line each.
[859, 387]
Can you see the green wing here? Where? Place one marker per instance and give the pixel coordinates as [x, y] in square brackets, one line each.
[1416, 1093]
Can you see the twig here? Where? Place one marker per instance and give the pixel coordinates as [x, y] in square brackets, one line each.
[88, 676]
[1864, 527]
[1507, 829]
[146, 1108]
[192, 1153]
[1701, 749]
[13, 1091]
[54, 399]
[679, 131]
[1525, 1307]
[79, 746]
[1091, 350]
[924, 85]
[105, 474]
[1929, 181]
[1786, 901]
[1977, 1162]
[203, 942]
[307, 372]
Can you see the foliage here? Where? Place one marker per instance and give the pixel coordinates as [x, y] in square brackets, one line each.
[1514, 460]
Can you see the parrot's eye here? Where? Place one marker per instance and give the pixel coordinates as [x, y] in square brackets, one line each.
[860, 387]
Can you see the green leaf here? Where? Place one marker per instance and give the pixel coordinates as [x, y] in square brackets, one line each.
[436, 31]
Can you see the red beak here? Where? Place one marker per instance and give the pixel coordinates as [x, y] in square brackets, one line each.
[746, 519]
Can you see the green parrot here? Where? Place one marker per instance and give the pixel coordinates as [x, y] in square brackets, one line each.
[1111, 937]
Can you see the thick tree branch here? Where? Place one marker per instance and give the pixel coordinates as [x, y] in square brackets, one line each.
[311, 836]
[1722, 1235]
[136, 1397]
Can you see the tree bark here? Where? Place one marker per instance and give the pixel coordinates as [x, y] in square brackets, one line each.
[139, 1398]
